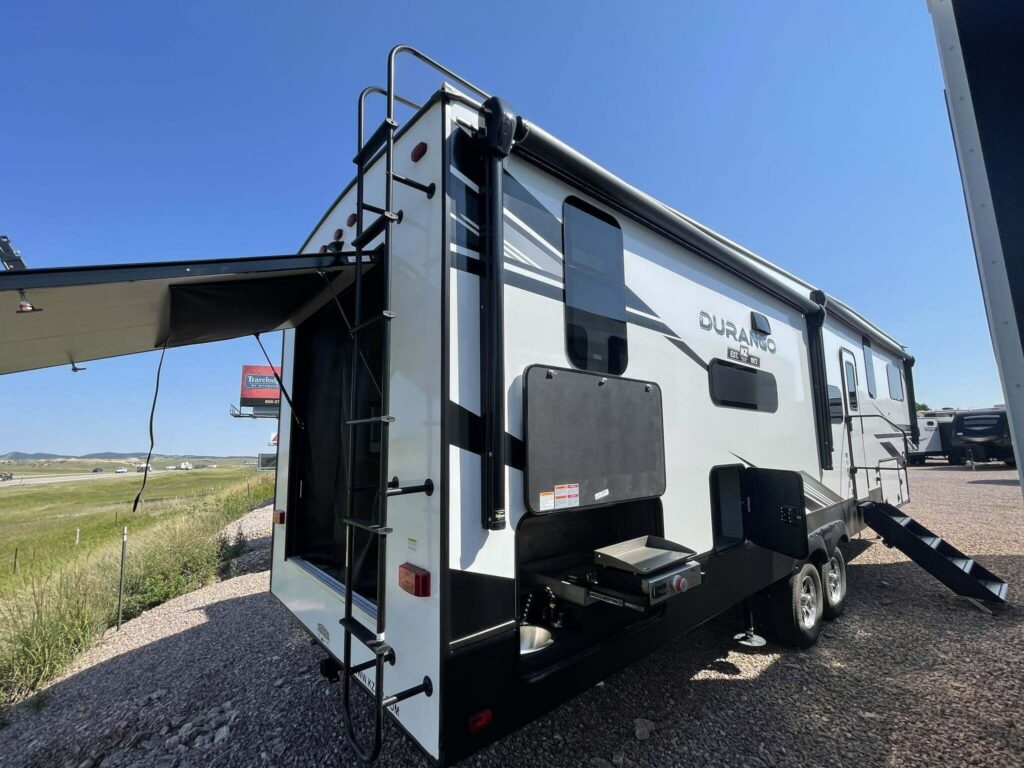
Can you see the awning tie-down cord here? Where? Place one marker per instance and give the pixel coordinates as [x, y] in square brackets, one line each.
[152, 413]
[284, 392]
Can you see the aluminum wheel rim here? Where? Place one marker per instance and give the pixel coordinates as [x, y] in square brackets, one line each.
[808, 602]
[834, 578]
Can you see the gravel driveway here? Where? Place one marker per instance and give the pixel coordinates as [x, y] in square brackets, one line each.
[910, 675]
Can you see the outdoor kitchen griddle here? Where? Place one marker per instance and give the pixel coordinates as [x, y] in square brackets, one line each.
[643, 555]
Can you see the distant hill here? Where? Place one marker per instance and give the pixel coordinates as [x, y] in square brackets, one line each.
[109, 455]
[19, 456]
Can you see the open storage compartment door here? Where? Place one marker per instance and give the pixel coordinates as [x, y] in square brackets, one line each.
[591, 440]
[58, 316]
[774, 515]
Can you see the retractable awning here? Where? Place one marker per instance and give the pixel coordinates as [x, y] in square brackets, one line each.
[86, 313]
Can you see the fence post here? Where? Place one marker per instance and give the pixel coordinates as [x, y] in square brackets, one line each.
[78, 533]
[120, 588]
[15, 559]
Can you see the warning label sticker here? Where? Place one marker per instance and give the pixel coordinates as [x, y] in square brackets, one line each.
[567, 495]
[547, 501]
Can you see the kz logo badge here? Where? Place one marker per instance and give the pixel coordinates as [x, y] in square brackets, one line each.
[742, 355]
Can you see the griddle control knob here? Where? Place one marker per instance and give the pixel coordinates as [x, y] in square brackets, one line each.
[679, 583]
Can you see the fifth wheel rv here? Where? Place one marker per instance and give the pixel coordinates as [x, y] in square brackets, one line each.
[535, 422]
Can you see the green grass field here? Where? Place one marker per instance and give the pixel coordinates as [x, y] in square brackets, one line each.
[63, 597]
[40, 520]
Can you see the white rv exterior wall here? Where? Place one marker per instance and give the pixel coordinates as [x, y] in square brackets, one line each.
[676, 285]
[413, 623]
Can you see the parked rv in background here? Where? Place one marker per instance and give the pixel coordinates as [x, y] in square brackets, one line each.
[981, 435]
[934, 428]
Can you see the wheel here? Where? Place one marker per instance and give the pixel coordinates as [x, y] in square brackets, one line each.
[797, 607]
[956, 459]
[833, 582]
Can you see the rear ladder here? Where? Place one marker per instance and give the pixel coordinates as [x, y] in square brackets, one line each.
[385, 218]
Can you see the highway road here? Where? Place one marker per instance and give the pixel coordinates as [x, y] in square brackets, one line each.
[18, 482]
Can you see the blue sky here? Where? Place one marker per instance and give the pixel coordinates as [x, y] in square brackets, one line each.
[814, 133]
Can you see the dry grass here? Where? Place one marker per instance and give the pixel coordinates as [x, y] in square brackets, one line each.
[49, 619]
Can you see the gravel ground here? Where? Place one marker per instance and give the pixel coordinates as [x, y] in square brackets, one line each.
[910, 675]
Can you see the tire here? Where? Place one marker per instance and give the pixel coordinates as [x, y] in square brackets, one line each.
[797, 607]
[956, 459]
[833, 583]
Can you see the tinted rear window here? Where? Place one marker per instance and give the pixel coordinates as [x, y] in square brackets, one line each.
[595, 290]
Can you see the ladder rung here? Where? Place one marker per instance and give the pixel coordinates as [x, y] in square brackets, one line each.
[425, 687]
[367, 525]
[365, 635]
[375, 142]
[426, 189]
[375, 320]
[373, 420]
[365, 665]
[427, 488]
[375, 228]
[365, 488]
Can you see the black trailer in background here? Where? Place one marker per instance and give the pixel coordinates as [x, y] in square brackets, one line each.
[980, 45]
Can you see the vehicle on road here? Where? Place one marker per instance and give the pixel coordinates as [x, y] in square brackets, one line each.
[97, 470]
[5, 476]
[121, 471]
[536, 423]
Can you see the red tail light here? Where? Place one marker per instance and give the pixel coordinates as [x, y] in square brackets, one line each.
[339, 234]
[418, 152]
[479, 721]
[351, 220]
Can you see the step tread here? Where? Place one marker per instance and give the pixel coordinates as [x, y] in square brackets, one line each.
[375, 142]
[948, 564]
[365, 635]
[373, 230]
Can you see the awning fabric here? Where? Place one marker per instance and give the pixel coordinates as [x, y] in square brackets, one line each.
[88, 313]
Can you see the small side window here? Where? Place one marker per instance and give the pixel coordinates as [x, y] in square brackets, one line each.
[869, 369]
[851, 384]
[895, 382]
[738, 386]
[835, 404]
[595, 290]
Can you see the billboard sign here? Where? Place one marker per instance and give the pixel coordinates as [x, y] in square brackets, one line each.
[259, 386]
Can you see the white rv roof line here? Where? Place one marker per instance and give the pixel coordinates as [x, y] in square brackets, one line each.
[538, 144]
